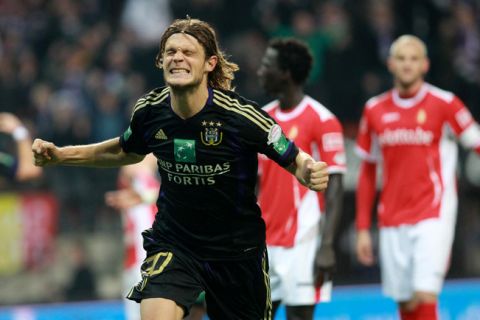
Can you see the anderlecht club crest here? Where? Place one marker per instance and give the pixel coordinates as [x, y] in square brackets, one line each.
[211, 134]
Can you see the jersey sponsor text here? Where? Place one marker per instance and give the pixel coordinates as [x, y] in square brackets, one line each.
[403, 136]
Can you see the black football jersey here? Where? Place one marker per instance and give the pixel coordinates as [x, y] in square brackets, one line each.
[208, 166]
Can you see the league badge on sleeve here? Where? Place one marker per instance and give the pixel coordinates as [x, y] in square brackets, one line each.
[127, 134]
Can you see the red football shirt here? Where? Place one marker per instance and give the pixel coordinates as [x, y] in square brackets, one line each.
[138, 218]
[290, 210]
[412, 138]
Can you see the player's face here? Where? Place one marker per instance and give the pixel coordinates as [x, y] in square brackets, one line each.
[270, 75]
[184, 63]
[408, 64]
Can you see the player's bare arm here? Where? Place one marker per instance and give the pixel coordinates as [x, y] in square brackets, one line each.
[132, 193]
[325, 261]
[365, 248]
[364, 203]
[122, 199]
[103, 154]
[10, 124]
[310, 173]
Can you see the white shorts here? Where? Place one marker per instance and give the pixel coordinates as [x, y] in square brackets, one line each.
[416, 257]
[291, 275]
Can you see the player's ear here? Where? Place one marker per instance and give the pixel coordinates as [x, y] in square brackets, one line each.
[287, 74]
[211, 63]
[426, 66]
[390, 64]
[159, 60]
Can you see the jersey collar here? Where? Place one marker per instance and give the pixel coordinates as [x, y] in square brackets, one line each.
[407, 103]
[292, 113]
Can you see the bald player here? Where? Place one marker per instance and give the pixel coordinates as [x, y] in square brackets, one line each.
[413, 129]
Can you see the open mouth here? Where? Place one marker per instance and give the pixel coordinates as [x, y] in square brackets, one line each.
[179, 71]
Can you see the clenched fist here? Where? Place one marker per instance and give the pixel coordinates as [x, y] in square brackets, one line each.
[315, 175]
[45, 153]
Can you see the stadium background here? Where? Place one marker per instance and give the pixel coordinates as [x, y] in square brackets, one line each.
[72, 70]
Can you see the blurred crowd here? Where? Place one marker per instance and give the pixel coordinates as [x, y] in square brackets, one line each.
[73, 69]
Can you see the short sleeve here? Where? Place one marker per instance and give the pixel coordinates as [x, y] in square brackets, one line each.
[366, 145]
[458, 116]
[463, 125]
[329, 138]
[132, 140]
[277, 147]
[269, 139]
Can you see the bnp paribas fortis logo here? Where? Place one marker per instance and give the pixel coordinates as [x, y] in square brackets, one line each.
[184, 150]
[211, 134]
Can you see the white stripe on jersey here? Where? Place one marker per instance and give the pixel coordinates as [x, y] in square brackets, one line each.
[271, 105]
[444, 95]
[307, 101]
[336, 169]
[320, 109]
[448, 150]
[374, 101]
[308, 217]
[410, 102]
[470, 137]
[373, 155]
[286, 116]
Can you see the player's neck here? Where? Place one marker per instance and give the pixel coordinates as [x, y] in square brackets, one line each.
[290, 98]
[188, 102]
[408, 91]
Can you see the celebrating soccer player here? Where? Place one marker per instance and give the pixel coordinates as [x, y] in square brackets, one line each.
[208, 234]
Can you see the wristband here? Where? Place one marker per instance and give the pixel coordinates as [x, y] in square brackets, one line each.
[20, 133]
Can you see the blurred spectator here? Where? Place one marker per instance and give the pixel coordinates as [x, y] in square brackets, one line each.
[347, 61]
[303, 25]
[467, 46]
[382, 29]
[147, 19]
[82, 285]
[19, 165]
[466, 52]
[109, 120]
[381, 19]
[248, 60]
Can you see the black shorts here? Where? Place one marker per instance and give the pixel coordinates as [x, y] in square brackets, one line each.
[234, 289]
